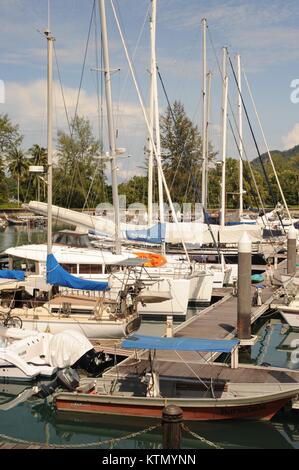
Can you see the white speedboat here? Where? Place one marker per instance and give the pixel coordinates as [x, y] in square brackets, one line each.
[29, 355]
[23, 355]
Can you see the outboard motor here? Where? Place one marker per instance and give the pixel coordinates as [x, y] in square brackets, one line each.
[94, 363]
[67, 378]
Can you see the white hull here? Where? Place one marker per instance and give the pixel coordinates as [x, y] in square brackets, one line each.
[91, 329]
[291, 317]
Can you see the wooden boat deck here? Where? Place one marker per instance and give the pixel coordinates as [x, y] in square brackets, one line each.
[187, 366]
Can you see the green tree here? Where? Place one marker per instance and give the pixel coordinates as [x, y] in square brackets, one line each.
[135, 190]
[18, 166]
[181, 154]
[9, 138]
[79, 174]
[39, 157]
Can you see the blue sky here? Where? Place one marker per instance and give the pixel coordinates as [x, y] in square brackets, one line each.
[265, 33]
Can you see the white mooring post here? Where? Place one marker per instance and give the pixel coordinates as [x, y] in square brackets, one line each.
[169, 326]
[235, 358]
[244, 288]
[292, 251]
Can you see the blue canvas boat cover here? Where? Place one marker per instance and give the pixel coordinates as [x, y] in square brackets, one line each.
[12, 274]
[179, 344]
[155, 234]
[57, 276]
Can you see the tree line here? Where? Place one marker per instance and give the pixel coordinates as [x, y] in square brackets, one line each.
[79, 168]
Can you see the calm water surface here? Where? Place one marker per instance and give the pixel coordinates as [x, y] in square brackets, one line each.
[35, 420]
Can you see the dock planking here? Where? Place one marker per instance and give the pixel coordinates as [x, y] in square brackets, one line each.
[217, 322]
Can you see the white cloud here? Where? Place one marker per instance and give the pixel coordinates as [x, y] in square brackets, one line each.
[292, 139]
[26, 105]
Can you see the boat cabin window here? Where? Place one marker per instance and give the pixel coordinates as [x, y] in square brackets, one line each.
[90, 269]
[70, 268]
[24, 265]
[72, 239]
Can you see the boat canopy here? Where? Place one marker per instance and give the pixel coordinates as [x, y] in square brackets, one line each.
[179, 344]
[57, 276]
[12, 274]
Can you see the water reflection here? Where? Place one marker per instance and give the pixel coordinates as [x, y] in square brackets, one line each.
[36, 421]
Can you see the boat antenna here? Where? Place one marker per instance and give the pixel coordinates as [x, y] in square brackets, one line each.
[49, 15]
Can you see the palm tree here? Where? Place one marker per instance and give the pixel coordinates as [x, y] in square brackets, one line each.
[18, 166]
[39, 156]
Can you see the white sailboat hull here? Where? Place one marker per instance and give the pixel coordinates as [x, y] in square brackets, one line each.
[91, 329]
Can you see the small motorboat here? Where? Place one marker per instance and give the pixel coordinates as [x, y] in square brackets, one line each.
[201, 399]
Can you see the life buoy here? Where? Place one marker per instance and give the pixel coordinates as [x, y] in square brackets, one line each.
[154, 260]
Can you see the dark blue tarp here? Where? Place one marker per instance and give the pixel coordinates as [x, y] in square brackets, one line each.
[178, 344]
[57, 276]
[155, 234]
[9, 274]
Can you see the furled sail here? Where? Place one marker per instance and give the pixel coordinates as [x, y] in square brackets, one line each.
[57, 276]
[12, 274]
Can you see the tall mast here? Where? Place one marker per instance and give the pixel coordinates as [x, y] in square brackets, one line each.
[156, 106]
[224, 135]
[50, 41]
[240, 123]
[209, 79]
[204, 117]
[151, 122]
[111, 130]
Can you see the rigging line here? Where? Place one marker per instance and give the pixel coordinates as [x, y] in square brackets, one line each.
[274, 200]
[98, 85]
[239, 134]
[141, 102]
[248, 180]
[267, 147]
[195, 186]
[136, 46]
[175, 122]
[77, 102]
[98, 167]
[246, 176]
[233, 113]
[61, 89]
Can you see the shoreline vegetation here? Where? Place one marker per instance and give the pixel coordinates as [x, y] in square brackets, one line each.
[80, 172]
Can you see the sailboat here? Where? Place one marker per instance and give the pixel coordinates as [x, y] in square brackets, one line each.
[102, 317]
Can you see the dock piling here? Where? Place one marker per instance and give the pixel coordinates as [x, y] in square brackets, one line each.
[244, 288]
[172, 419]
[169, 326]
[292, 251]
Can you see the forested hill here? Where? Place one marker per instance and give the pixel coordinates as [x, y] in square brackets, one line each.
[287, 157]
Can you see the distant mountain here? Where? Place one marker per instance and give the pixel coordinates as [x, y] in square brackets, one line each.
[281, 158]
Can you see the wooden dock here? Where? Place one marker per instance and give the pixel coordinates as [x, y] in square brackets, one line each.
[217, 322]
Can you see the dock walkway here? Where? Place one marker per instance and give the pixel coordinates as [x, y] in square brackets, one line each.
[217, 322]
